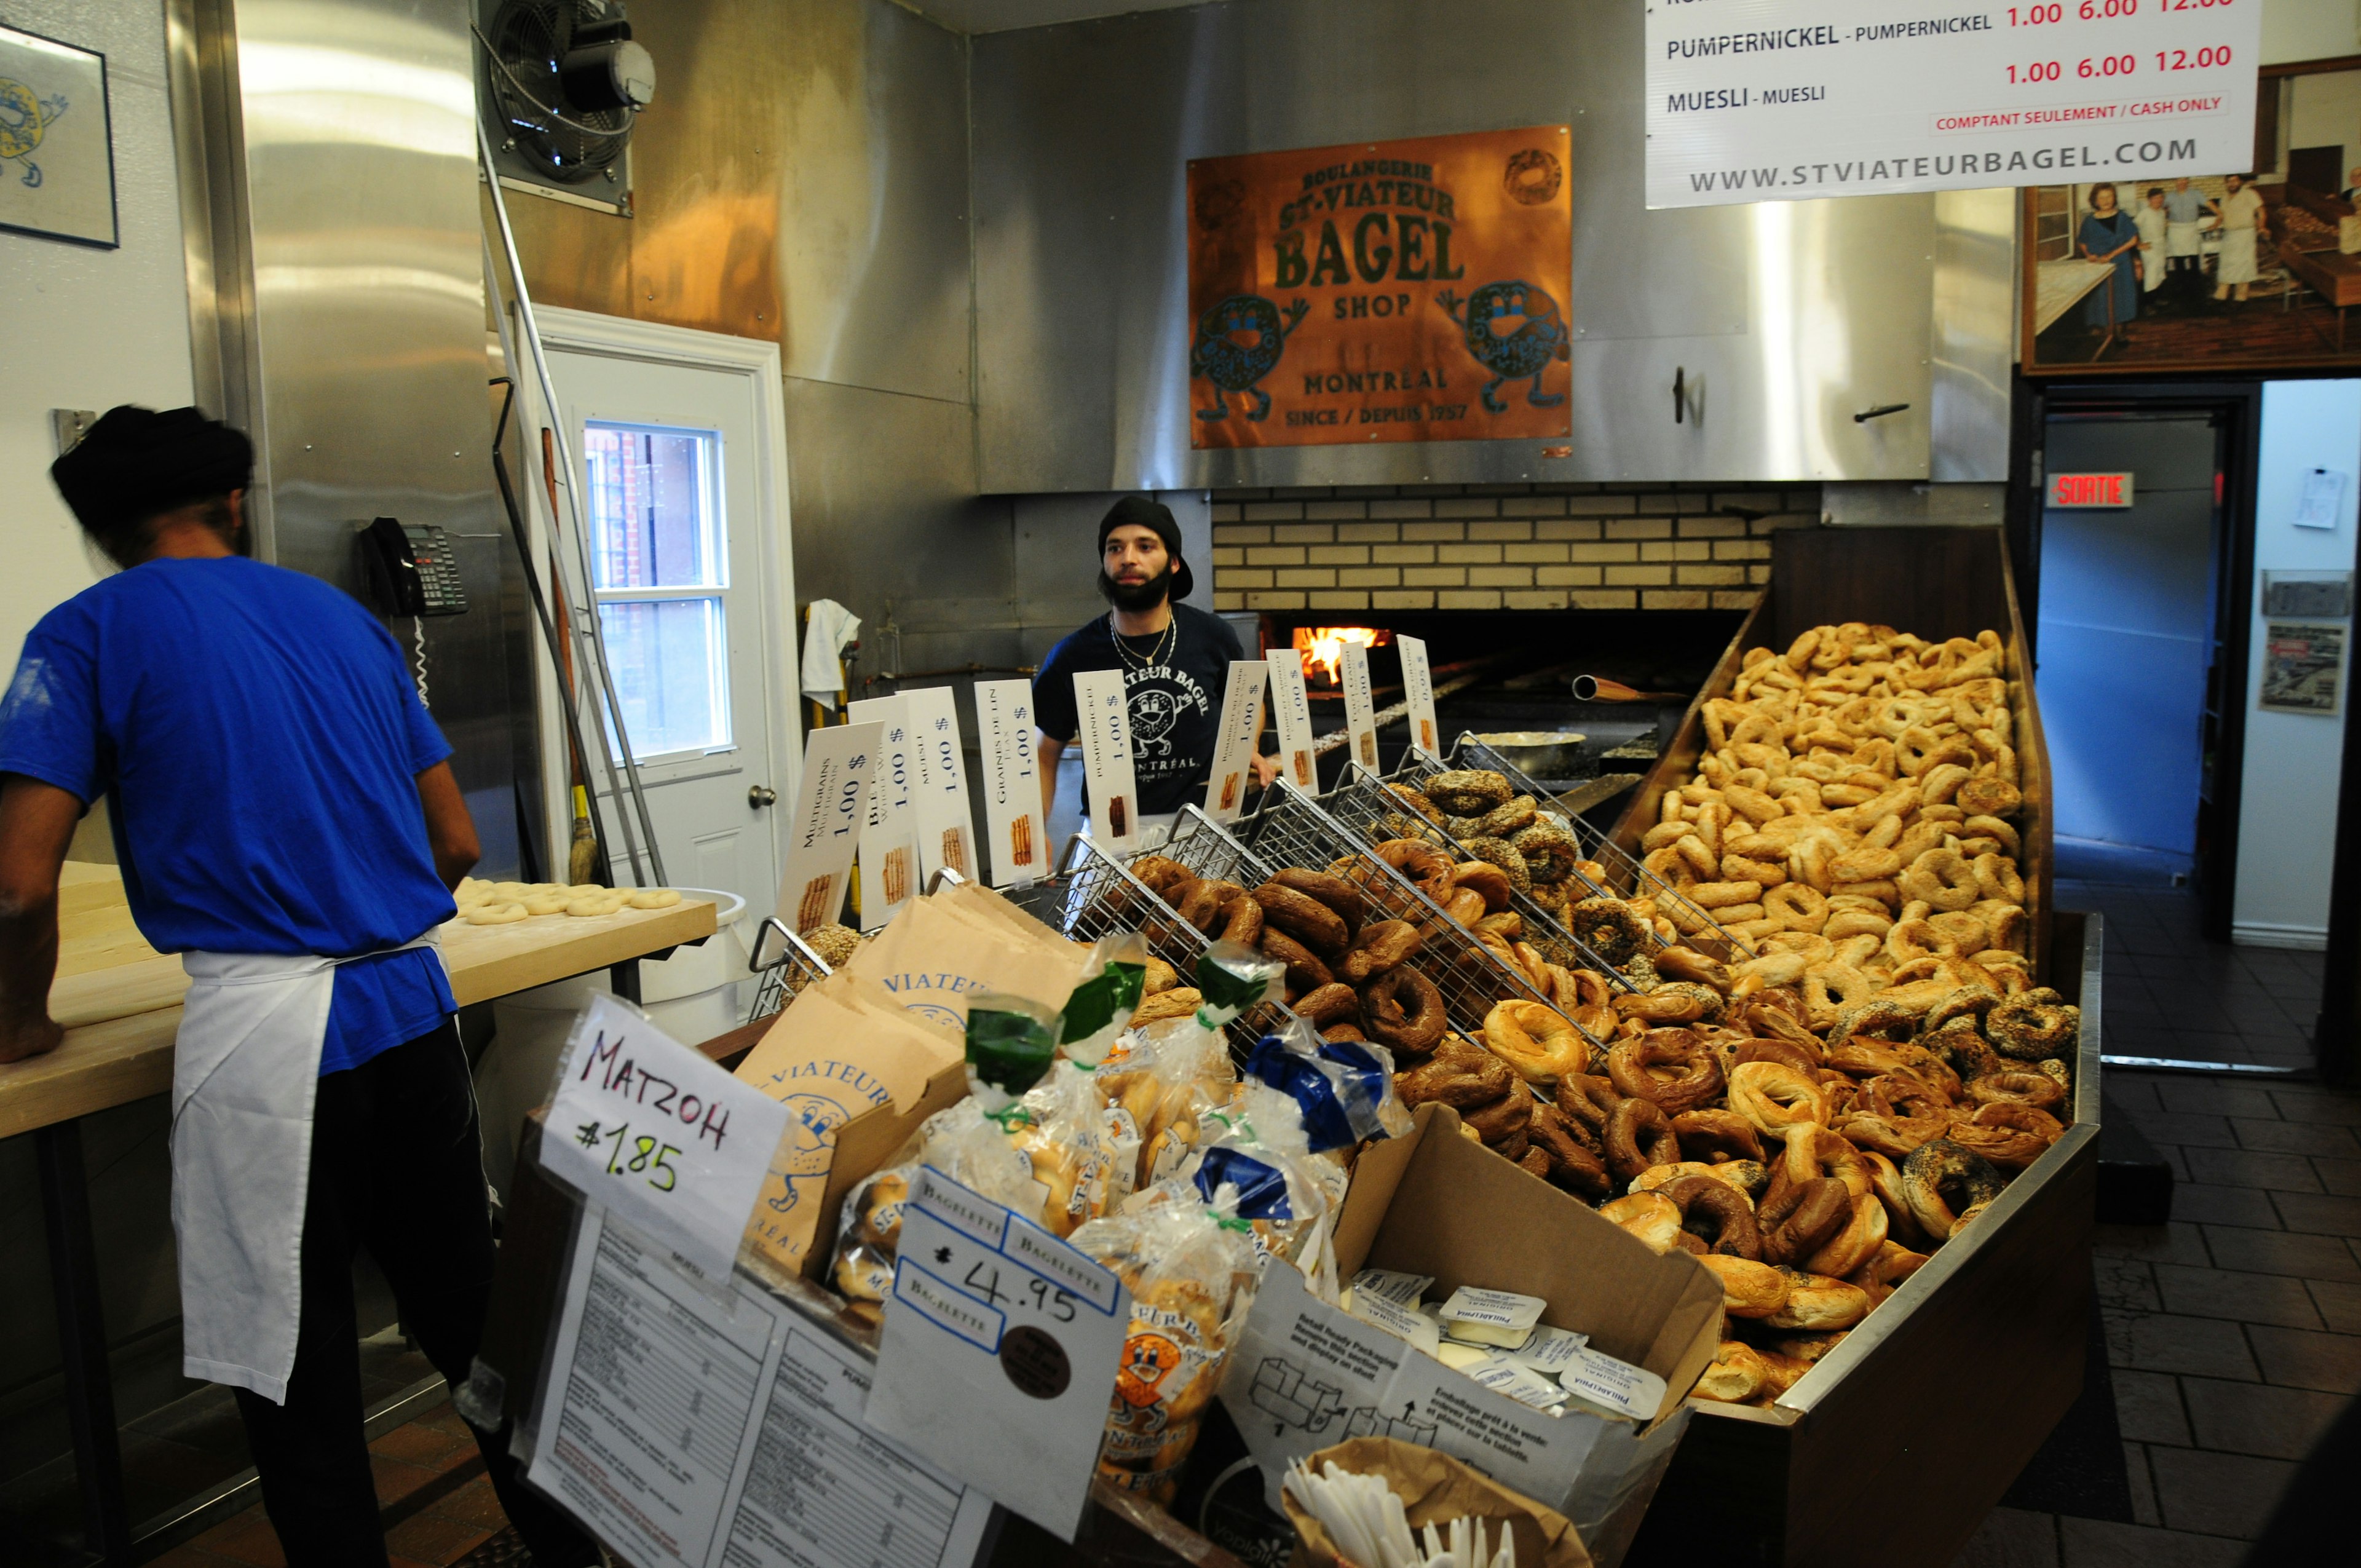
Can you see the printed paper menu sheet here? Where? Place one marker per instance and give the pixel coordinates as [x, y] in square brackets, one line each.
[684, 1430]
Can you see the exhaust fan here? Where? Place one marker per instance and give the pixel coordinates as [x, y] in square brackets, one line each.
[560, 85]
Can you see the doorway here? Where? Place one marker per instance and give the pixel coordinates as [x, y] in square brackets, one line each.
[2127, 636]
[679, 460]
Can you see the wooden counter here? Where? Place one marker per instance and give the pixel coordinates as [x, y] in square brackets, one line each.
[120, 1000]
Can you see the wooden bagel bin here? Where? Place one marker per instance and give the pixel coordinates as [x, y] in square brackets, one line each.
[1898, 1442]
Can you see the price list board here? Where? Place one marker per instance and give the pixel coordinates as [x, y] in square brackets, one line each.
[708, 1427]
[1791, 100]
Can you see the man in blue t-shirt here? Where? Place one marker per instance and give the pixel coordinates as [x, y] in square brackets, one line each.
[285, 816]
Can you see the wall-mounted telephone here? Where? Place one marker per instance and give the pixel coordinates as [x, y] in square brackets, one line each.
[411, 568]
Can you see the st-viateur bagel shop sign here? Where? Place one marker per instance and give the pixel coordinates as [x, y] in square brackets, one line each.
[1399, 290]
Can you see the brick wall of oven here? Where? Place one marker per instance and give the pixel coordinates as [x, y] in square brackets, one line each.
[1499, 546]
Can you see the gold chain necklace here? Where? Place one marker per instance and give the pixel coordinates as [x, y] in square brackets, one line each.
[1156, 656]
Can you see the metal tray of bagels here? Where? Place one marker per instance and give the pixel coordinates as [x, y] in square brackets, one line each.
[1888, 1439]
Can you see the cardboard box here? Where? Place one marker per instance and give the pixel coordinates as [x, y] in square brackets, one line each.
[1306, 1375]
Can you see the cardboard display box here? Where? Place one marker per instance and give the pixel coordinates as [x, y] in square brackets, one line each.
[1304, 1375]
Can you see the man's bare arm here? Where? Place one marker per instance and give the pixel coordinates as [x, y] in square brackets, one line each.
[450, 830]
[1046, 754]
[37, 823]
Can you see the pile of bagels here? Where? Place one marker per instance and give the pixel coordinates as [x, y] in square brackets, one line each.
[1813, 1116]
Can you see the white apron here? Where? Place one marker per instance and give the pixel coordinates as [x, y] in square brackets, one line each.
[2180, 239]
[245, 1075]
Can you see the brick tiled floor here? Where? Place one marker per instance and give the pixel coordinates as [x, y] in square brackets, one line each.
[2234, 1333]
[438, 1504]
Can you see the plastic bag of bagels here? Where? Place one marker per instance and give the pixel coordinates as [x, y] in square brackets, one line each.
[1158, 1082]
[1190, 1271]
[1345, 1088]
[1436, 1488]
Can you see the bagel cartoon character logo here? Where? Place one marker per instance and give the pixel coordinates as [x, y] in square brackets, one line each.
[809, 1147]
[1149, 1360]
[25, 118]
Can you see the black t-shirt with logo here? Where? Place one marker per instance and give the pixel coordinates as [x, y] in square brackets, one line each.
[1175, 703]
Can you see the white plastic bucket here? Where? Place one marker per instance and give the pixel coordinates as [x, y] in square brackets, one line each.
[697, 994]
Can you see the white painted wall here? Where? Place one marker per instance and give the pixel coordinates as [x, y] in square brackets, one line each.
[86, 328]
[2327, 113]
[2287, 816]
[2310, 29]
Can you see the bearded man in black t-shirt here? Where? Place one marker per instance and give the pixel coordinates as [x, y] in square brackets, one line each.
[1175, 662]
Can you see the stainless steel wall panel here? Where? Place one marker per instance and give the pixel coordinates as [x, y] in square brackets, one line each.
[873, 220]
[1796, 316]
[1974, 347]
[341, 315]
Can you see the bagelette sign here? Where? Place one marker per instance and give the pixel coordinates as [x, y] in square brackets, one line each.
[1791, 100]
[1400, 290]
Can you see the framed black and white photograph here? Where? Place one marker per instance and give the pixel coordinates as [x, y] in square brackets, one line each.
[57, 154]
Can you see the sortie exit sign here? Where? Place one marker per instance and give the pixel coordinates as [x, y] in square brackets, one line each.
[2090, 490]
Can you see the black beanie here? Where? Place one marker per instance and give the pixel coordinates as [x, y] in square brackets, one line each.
[135, 463]
[1140, 511]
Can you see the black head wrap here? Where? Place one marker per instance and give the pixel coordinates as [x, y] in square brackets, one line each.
[1155, 516]
[136, 463]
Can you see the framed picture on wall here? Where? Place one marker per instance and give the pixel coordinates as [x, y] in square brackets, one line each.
[57, 144]
[2250, 268]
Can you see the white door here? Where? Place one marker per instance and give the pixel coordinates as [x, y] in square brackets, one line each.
[668, 457]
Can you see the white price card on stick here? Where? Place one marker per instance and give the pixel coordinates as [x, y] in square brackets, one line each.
[1418, 689]
[1290, 705]
[1360, 707]
[657, 1133]
[1108, 774]
[999, 1353]
[1012, 783]
[944, 824]
[890, 875]
[1234, 745]
[832, 808]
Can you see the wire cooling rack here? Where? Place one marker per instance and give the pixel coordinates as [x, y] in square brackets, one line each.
[1290, 829]
[1361, 804]
[1094, 896]
[785, 976]
[1626, 878]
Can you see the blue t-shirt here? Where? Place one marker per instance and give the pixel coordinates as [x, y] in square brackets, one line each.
[258, 742]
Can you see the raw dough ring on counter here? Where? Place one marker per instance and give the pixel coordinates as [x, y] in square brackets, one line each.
[592, 908]
[548, 903]
[507, 914]
[654, 898]
[1414, 1028]
[1536, 1040]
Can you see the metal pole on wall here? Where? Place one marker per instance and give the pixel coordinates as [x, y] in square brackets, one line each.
[586, 604]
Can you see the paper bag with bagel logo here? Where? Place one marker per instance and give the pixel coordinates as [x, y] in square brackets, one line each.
[842, 1047]
[943, 947]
